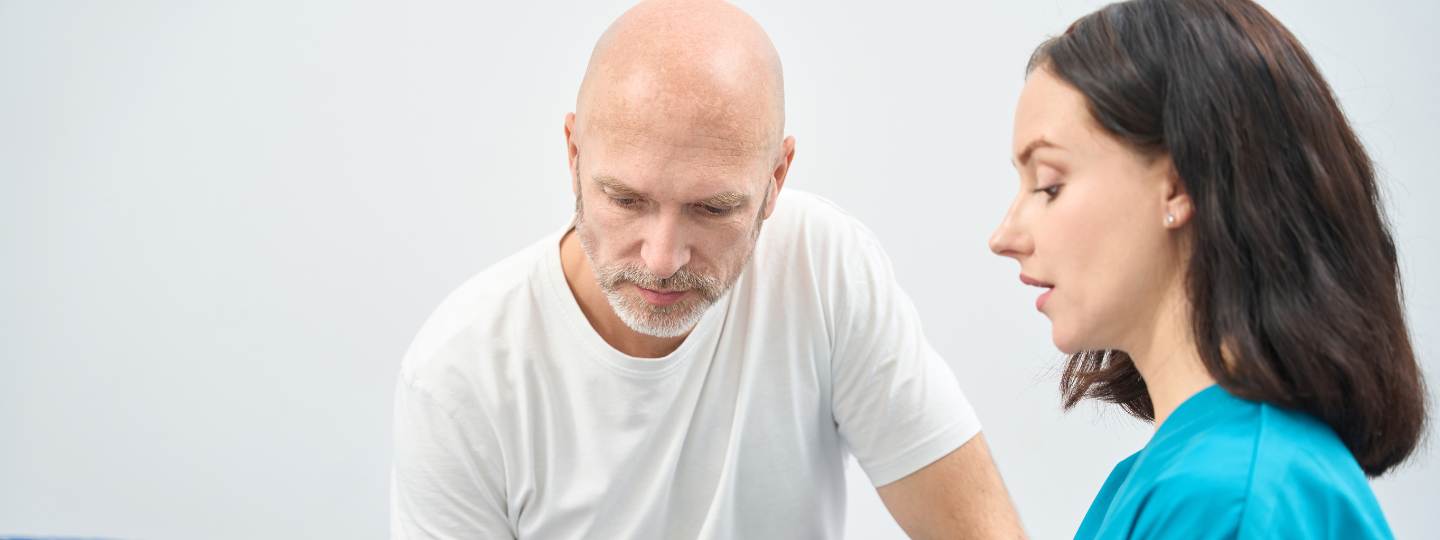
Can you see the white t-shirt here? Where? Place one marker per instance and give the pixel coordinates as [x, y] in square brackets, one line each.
[513, 418]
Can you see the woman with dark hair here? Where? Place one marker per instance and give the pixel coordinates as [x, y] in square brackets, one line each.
[1209, 233]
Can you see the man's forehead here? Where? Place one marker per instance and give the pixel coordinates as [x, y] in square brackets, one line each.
[628, 150]
[721, 127]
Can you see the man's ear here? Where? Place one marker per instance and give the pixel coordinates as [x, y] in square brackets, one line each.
[779, 172]
[573, 152]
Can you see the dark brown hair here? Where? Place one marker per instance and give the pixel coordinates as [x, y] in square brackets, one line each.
[1293, 282]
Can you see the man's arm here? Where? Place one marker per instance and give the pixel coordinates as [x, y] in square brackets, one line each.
[447, 480]
[900, 409]
[958, 496]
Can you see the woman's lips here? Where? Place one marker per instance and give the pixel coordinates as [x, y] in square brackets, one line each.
[1049, 288]
[661, 298]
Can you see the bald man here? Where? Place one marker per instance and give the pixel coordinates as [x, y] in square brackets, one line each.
[659, 368]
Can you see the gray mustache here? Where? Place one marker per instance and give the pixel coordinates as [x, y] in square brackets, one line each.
[681, 280]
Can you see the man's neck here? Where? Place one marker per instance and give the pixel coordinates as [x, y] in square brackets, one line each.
[581, 278]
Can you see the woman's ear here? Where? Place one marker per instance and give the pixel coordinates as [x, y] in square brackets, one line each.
[1176, 209]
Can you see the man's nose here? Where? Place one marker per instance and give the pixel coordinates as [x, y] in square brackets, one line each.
[666, 248]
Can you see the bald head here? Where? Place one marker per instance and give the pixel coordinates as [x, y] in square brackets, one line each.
[670, 66]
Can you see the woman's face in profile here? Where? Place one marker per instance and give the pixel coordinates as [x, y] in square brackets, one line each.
[1089, 223]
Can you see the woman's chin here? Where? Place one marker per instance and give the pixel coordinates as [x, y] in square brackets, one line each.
[1064, 341]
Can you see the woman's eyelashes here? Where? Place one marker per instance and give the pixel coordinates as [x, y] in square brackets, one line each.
[1051, 191]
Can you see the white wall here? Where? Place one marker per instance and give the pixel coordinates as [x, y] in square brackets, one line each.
[220, 225]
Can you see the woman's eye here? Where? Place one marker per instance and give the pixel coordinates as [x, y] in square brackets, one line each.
[624, 202]
[1050, 192]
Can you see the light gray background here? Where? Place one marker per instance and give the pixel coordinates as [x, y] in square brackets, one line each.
[223, 223]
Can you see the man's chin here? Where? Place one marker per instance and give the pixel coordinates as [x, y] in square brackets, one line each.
[670, 321]
[663, 331]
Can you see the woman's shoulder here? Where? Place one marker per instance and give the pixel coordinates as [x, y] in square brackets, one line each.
[1267, 469]
[1247, 447]
[1301, 444]
[1306, 480]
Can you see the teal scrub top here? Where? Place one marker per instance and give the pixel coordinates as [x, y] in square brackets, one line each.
[1224, 467]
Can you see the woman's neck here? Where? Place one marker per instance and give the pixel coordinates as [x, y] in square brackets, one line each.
[1168, 359]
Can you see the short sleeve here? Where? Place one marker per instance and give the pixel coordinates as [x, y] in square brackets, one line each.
[1310, 502]
[447, 480]
[896, 402]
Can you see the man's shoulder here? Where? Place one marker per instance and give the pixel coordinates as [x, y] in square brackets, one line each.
[803, 209]
[811, 251]
[806, 224]
[484, 312]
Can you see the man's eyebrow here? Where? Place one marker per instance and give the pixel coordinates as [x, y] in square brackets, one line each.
[728, 199]
[615, 187]
[1023, 158]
